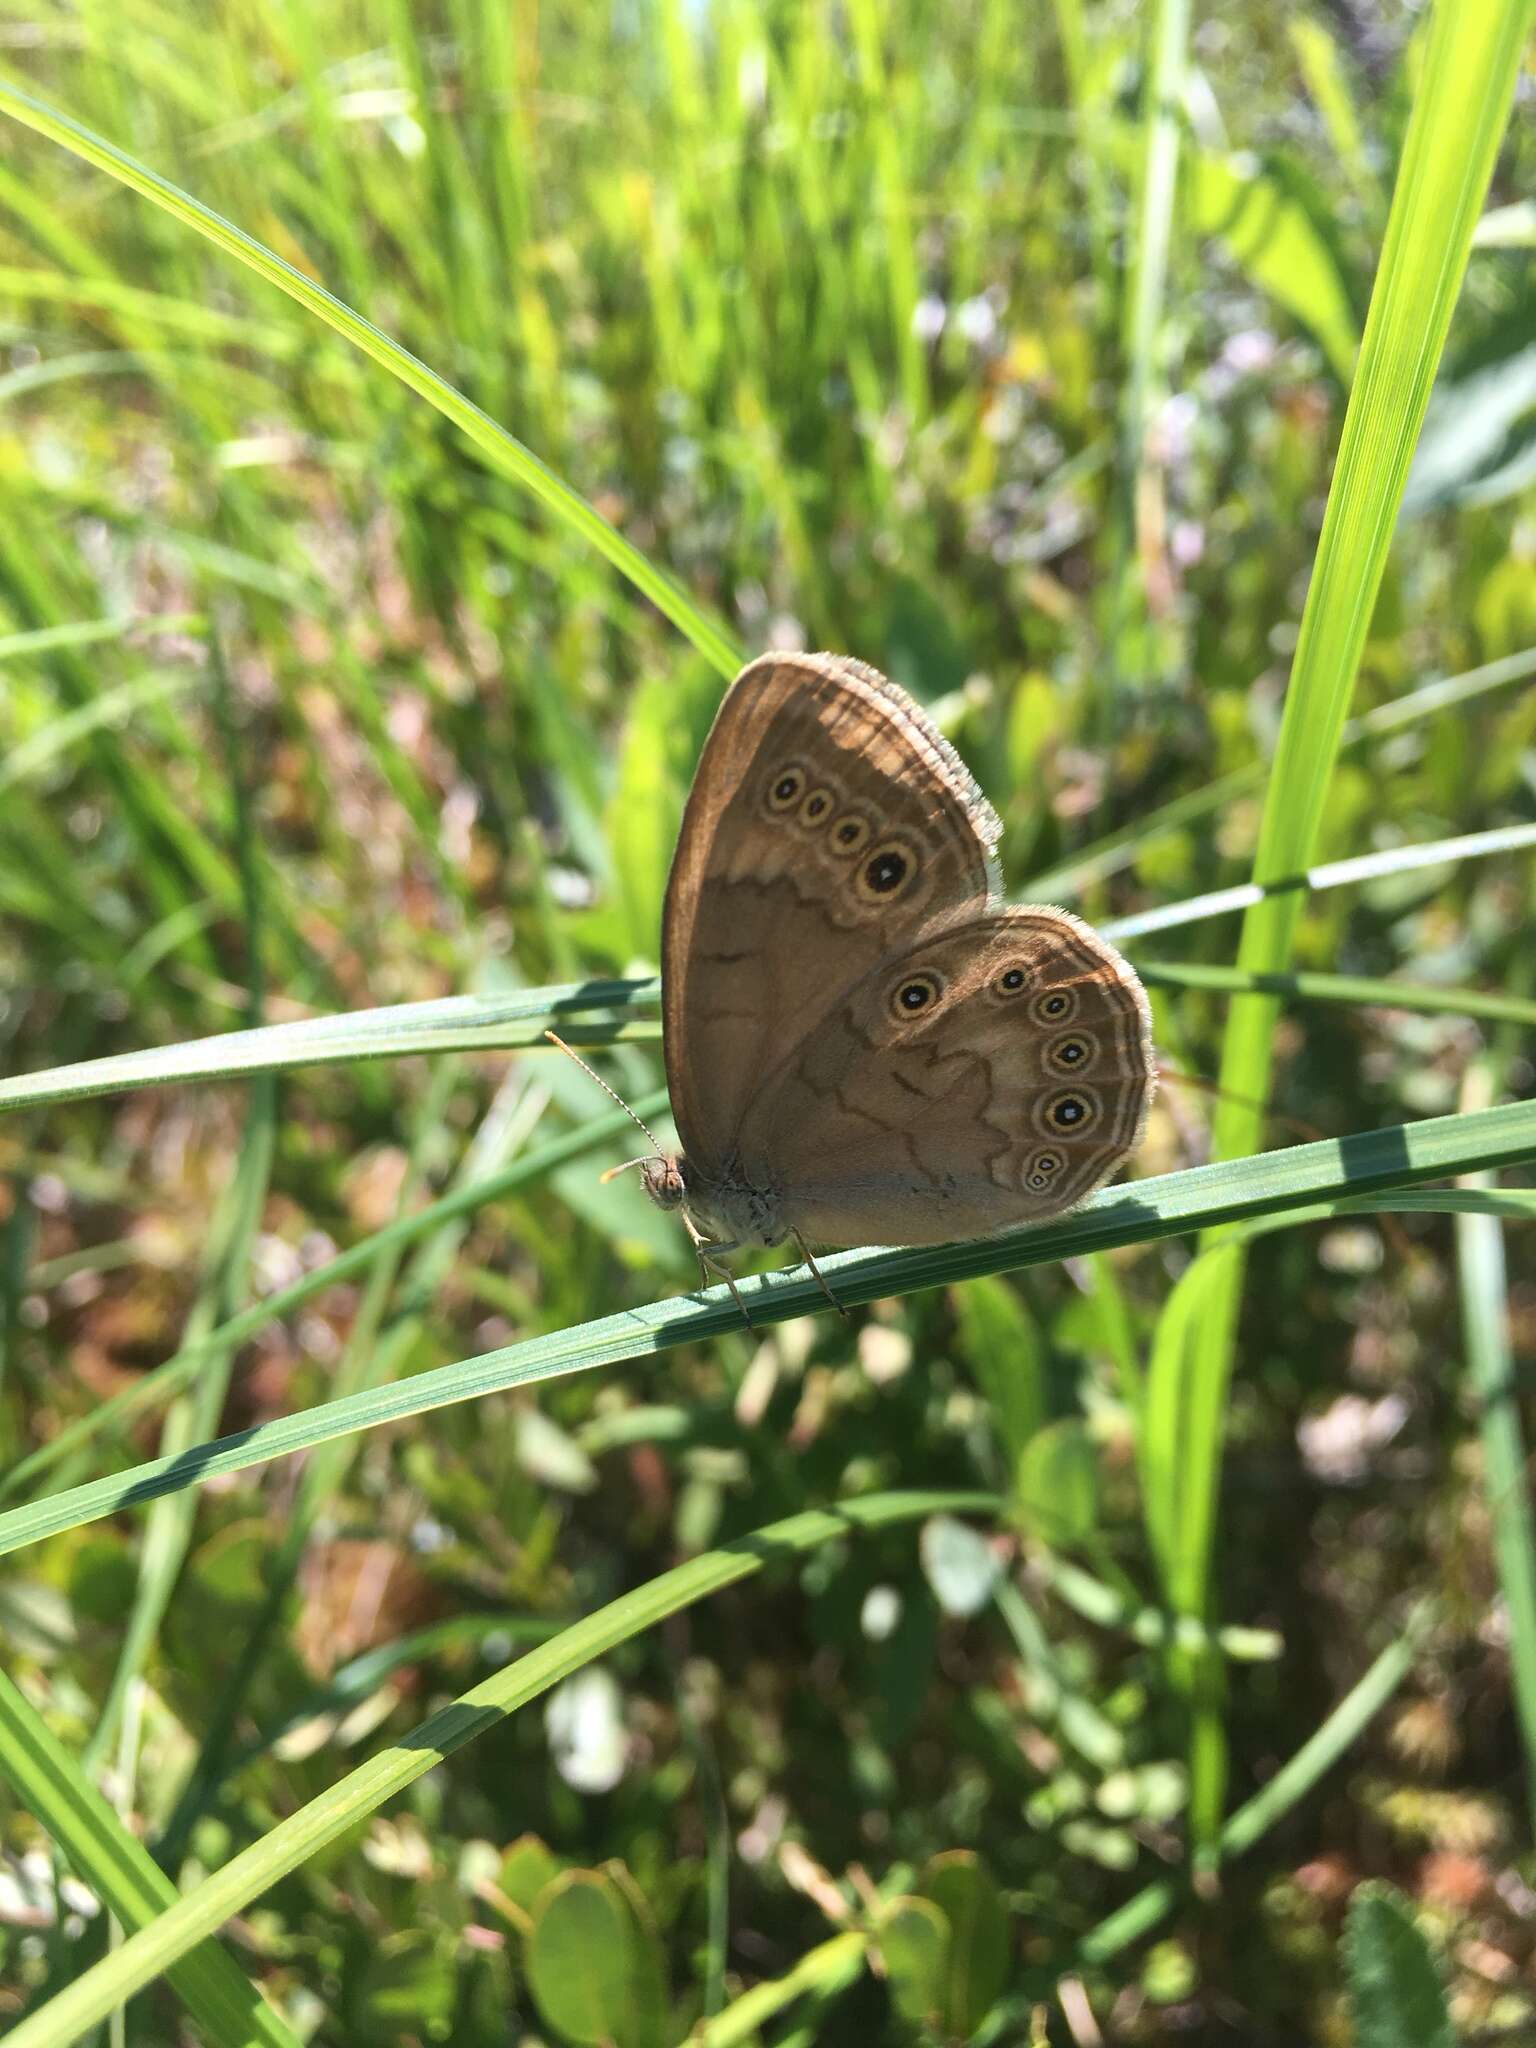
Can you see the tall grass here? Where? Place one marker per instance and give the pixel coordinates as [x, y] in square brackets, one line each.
[495, 379]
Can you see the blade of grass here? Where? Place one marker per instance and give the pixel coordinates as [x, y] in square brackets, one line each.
[1485, 1314]
[1161, 121]
[518, 1022]
[52, 1787]
[1471, 59]
[1290, 890]
[1342, 988]
[149, 1952]
[1305, 1179]
[505, 454]
[159, 1384]
[821, 1973]
[1119, 850]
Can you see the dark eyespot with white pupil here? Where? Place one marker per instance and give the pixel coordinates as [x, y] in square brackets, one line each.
[918, 992]
[1011, 980]
[815, 807]
[1069, 1112]
[1069, 1052]
[850, 833]
[1055, 1006]
[887, 871]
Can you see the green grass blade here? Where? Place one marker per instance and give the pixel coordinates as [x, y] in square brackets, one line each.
[1471, 59]
[162, 1382]
[50, 1786]
[146, 1954]
[1291, 890]
[504, 1023]
[1118, 850]
[1304, 1179]
[1485, 1315]
[449, 1024]
[506, 454]
[1342, 988]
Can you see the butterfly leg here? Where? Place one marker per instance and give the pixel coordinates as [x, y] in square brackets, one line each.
[711, 1270]
[821, 1278]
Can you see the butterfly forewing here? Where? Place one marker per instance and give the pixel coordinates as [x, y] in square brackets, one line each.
[829, 827]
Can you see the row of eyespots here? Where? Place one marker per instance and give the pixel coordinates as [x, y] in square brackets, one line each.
[1049, 1006]
[1043, 1169]
[890, 869]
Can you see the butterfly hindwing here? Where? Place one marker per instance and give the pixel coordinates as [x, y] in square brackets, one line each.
[997, 1072]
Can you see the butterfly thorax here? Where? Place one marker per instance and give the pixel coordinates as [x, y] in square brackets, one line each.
[726, 1210]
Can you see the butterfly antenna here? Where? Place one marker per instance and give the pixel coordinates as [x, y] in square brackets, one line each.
[555, 1039]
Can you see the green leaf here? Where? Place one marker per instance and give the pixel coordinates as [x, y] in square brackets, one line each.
[960, 1565]
[577, 1956]
[976, 1960]
[181, 1925]
[1002, 1347]
[914, 1941]
[1395, 1994]
[526, 1868]
[1058, 1484]
[594, 1966]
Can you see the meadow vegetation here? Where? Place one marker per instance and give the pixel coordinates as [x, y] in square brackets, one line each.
[426, 1618]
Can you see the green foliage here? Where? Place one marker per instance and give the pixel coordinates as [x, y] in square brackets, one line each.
[1395, 1993]
[594, 1963]
[344, 1421]
[945, 1947]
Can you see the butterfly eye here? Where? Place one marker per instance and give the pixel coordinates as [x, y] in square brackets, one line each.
[1069, 1112]
[888, 873]
[913, 994]
[850, 835]
[816, 807]
[786, 789]
[1070, 1053]
[1055, 1006]
[1011, 982]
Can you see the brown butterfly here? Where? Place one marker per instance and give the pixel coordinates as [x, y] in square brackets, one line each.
[863, 1044]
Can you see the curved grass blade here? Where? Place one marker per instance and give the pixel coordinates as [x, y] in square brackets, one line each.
[447, 1024]
[164, 1380]
[152, 1950]
[1294, 1779]
[50, 1786]
[1471, 59]
[517, 1022]
[504, 453]
[1303, 1178]
[1119, 850]
[1342, 988]
[1334, 874]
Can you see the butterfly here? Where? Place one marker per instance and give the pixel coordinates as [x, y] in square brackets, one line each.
[864, 1044]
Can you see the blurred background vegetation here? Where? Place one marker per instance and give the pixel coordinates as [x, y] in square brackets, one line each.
[853, 320]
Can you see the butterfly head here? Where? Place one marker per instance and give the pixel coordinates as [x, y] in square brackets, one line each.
[662, 1179]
